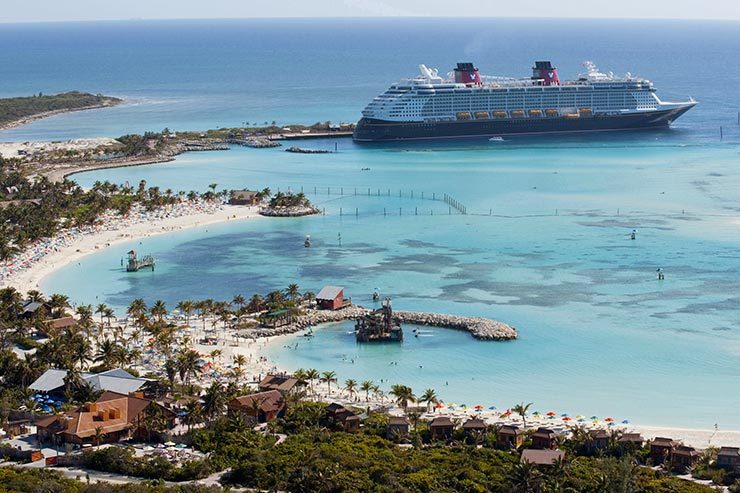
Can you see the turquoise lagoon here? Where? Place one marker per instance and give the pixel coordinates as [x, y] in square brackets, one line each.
[544, 247]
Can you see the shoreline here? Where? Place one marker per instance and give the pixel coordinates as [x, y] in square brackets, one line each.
[46, 114]
[121, 231]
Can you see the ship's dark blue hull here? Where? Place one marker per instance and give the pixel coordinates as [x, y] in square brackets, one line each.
[372, 130]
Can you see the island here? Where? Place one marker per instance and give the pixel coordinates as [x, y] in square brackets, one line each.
[21, 110]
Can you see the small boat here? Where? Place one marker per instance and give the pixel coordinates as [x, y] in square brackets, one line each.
[496, 139]
[365, 169]
[307, 241]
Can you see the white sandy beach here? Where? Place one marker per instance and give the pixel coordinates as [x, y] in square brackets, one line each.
[71, 248]
[43, 259]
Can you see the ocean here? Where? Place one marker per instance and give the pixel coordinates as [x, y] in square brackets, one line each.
[544, 245]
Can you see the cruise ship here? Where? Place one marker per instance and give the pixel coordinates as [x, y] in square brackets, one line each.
[468, 104]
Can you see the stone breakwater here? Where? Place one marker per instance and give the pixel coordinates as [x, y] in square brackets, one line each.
[296, 211]
[481, 328]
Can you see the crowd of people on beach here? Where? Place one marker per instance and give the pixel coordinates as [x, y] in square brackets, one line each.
[108, 221]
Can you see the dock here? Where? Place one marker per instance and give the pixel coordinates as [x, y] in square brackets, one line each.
[311, 135]
[135, 264]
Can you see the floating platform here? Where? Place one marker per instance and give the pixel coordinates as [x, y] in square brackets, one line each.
[135, 264]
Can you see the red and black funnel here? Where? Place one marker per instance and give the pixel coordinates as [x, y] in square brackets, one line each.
[546, 72]
[466, 73]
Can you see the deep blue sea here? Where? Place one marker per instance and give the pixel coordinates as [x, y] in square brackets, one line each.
[544, 246]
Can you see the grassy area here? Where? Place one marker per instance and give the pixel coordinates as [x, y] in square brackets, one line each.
[15, 109]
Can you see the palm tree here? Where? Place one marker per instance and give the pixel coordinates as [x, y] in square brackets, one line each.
[430, 397]
[350, 386]
[100, 309]
[99, 435]
[367, 386]
[58, 303]
[311, 375]
[525, 478]
[186, 307]
[136, 308]
[293, 291]
[193, 413]
[403, 395]
[256, 304]
[159, 310]
[328, 377]
[214, 400]
[521, 409]
[240, 360]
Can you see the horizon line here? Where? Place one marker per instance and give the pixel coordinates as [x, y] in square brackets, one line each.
[389, 17]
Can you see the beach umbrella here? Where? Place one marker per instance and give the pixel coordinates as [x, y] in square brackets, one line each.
[608, 420]
[464, 406]
[626, 422]
[492, 408]
[169, 444]
[611, 424]
[450, 404]
[594, 417]
[552, 413]
[564, 415]
[536, 413]
[439, 406]
[579, 417]
[551, 417]
[478, 407]
[567, 418]
[581, 420]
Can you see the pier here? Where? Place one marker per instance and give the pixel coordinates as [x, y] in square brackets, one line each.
[134, 264]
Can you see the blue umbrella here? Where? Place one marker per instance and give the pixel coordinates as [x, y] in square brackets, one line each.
[492, 408]
[626, 422]
[564, 415]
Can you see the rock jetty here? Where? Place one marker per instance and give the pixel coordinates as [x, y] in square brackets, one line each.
[294, 211]
[301, 150]
[255, 142]
[480, 328]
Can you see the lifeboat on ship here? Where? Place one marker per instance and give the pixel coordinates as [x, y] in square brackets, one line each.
[463, 115]
[585, 112]
[551, 112]
[572, 116]
[481, 115]
[517, 113]
[535, 112]
[499, 114]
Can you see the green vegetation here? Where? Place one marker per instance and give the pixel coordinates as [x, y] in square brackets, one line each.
[15, 109]
[289, 200]
[17, 480]
[35, 209]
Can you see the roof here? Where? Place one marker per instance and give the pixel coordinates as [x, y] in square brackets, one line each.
[441, 421]
[243, 194]
[398, 421]
[83, 421]
[116, 380]
[31, 306]
[474, 423]
[599, 434]
[542, 457]
[510, 429]
[729, 451]
[334, 407]
[685, 450]
[663, 442]
[63, 323]
[631, 437]
[283, 383]
[329, 293]
[270, 401]
[544, 432]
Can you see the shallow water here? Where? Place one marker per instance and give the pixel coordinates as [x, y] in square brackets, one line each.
[544, 245]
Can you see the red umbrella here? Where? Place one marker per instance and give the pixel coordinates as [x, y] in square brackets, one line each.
[608, 420]
[552, 413]
[508, 412]
[438, 406]
[478, 407]
[567, 418]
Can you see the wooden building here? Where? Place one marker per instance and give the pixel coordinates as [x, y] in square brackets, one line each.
[340, 415]
[260, 407]
[244, 197]
[474, 426]
[330, 298]
[441, 428]
[661, 449]
[599, 439]
[398, 426]
[684, 457]
[509, 437]
[283, 383]
[728, 457]
[633, 440]
[112, 418]
[544, 438]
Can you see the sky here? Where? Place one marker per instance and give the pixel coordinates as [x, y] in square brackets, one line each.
[87, 10]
